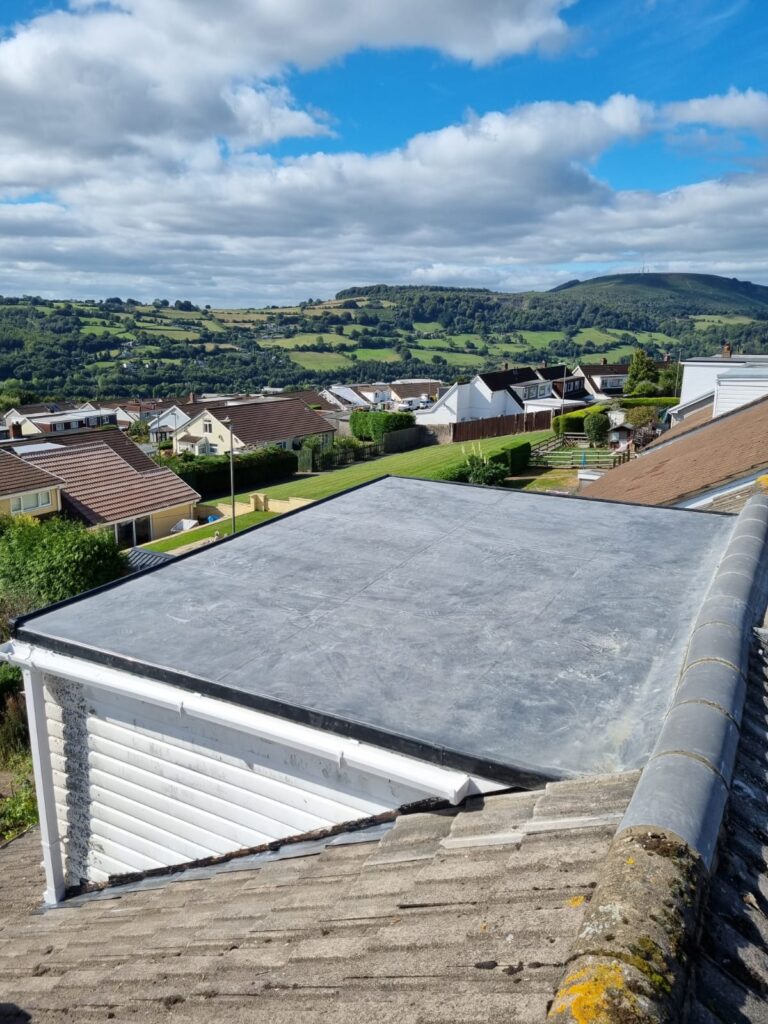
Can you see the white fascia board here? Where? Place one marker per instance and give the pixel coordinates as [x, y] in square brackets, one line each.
[443, 783]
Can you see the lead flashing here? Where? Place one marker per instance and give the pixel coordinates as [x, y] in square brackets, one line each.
[684, 786]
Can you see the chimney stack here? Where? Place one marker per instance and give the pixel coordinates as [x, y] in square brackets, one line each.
[666, 357]
[16, 429]
[506, 366]
[727, 350]
[604, 361]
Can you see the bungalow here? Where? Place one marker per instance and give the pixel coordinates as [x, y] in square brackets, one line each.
[604, 381]
[701, 372]
[249, 426]
[25, 488]
[711, 465]
[107, 480]
[401, 389]
[61, 422]
[346, 398]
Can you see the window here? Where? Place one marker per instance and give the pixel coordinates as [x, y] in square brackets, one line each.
[93, 421]
[207, 427]
[531, 391]
[543, 390]
[569, 385]
[30, 502]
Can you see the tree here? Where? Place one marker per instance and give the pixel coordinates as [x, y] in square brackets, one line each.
[596, 428]
[139, 431]
[669, 380]
[646, 389]
[641, 368]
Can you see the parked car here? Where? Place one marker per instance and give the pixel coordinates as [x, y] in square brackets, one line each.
[410, 404]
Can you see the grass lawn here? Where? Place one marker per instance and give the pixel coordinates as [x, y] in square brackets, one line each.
[224, 526]
[563, 480]
[424, 462]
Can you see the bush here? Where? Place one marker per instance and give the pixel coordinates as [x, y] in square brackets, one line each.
[642, 416]
[637, 403]
[596, 428]
[372, 426]
[514, 460]
[51, 560]
[209, 474]
[18, 811]
[646, 388]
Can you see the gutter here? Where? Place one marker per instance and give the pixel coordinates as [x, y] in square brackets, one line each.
[631, 960]
[443, 783]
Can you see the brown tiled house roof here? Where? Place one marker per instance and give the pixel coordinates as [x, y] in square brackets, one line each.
[723, 450]
[18, 477]
[414, 389]
[102, 487]
[265, 422]
[111, 436]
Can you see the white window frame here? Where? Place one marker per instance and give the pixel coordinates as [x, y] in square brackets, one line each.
[21, 503]
[207, 427]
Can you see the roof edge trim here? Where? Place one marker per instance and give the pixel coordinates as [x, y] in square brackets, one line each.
[684, 787]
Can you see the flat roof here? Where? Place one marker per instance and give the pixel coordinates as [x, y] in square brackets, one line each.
[515, 635]
[746, 372]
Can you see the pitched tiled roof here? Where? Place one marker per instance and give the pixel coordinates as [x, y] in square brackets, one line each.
[696, 419]
[500, 380]
[17, 476]
[264, 422]
[725, 449]
[600, 369]
[484, 900]
[111, 436]
[103, 488]
[553, 372]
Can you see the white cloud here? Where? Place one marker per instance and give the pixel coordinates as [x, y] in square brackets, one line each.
[737, 110]
[141, 127]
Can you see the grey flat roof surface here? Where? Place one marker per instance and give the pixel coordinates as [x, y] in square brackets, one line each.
[745, 372]
[523, 630]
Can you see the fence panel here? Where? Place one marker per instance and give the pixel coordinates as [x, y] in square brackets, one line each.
[498, 426]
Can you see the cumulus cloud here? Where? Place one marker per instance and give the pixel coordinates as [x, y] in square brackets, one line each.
[135, 131]
[736, 110]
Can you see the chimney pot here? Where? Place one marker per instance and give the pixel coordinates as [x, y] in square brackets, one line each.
[727, 350]
[604, 361]
[506, 366]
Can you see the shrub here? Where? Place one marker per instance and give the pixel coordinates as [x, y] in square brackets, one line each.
[642, 416]
[209, 474]
[636, 403]
[46, 561]
[646, 388]
[596, 428]
[18, 811]
[372, 426]
[514, 460]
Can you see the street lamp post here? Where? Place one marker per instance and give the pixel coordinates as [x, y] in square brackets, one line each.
[228, 424]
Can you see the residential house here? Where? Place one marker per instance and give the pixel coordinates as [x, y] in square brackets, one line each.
[345, 397]
[429, 389]
[62, 422]
[711, 465]
[25, 488]
[487, 395]
[603, 381]
[253, 425]
[107, 480]
[22, 411]
[701, 372]
[163, 426]
[566, 391]
[585, 791]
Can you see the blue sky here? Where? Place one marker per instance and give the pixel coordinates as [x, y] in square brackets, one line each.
[509, 143]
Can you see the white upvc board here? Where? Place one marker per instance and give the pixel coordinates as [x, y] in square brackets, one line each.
[139, 786]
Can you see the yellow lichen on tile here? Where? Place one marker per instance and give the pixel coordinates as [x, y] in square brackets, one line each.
[590, 995]
[576, 901]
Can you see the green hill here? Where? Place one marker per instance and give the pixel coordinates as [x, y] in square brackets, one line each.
[678, 294]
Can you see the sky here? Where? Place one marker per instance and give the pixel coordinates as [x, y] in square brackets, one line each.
[251, 152]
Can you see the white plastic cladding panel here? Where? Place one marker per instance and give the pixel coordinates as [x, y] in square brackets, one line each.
[139, 787]
[733, 394]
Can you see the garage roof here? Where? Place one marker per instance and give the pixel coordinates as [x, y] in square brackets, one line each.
[517, 636]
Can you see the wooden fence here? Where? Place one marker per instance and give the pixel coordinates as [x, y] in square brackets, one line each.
[477, 430]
